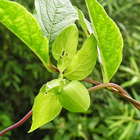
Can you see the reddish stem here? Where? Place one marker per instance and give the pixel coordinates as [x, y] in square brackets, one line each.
[17, 124]
[115, 89]
[123, 93]
[91, 81]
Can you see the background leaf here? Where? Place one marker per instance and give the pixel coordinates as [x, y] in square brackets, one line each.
[109, 39]
[84, 61]
[46, 106]
[16, 18]
[53, 16]
[65, 46]
[85, 24]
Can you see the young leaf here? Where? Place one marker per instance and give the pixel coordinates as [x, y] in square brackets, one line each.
[53, 16]
[85, 24]
[17, 19]
[109, 39]
[65, 46]
[84, 61]
[46, 106]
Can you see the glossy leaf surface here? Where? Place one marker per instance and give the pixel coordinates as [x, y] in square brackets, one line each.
[85, 24]
[65, 46]
[46, 106]
[84, 61]
[109, 39]
[17, 19]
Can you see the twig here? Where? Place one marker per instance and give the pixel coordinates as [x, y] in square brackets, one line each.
[115, 89]
[91, 81]
[17, 124]
[112, 87]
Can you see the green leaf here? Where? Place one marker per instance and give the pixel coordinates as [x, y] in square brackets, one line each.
[109, 39]
[126, 133]
[65, 46]
[84, 61]
[53, 16]
[85, 24]
[46, 106]
[17, 19]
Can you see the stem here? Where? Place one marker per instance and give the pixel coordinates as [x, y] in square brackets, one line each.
[17, 124]
[114, 88]
[51, 68]
[91, 81]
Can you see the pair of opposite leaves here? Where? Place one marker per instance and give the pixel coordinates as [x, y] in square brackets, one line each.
[78, 66]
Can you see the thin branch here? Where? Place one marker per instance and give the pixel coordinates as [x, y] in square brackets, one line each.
[91, 81]
[17, 124]
[51, 67]
[112, 87]
[115, 89]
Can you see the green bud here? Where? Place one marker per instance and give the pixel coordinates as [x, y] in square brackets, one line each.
[75, 97]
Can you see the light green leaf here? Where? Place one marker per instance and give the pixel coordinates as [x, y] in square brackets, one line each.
[17, 19]
[85, 24]
[53, 16]
[46, 106]
[65, 46]
[131, 127]
[84, 61]
[109, 39]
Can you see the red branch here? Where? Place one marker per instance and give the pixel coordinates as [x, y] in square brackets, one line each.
[115, 89]
[17, 124]
[112, 87]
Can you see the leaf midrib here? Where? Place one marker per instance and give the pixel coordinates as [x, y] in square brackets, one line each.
[79, 63]
[53, 22]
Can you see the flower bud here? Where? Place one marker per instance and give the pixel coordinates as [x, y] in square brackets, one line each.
[75, 97]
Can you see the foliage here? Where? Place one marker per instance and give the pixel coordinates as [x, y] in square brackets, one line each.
[100, 125]
[63, 52]
[53, 11]
[14, 52]
[109, 40]
[84, 61]
[46, 106]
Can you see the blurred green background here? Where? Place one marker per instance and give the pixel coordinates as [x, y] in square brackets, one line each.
[109, 117]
